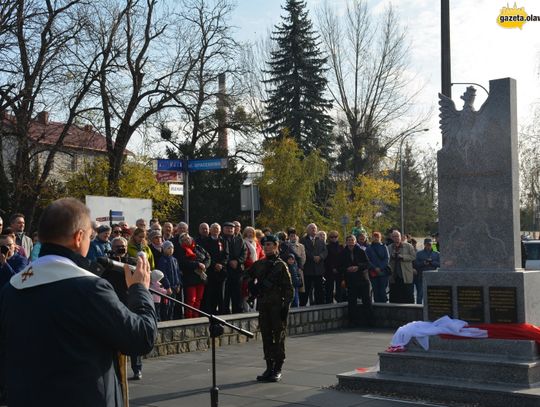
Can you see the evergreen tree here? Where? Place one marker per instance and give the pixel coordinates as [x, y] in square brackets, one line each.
[296, 106]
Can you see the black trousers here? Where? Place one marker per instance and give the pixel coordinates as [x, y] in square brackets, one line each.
[212, 302]
[312, 284]
[359, 289]
[401, 293]
[233, 291]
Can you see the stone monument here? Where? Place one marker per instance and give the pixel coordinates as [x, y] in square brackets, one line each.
[479, 279]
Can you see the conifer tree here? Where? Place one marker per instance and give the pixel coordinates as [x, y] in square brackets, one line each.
[296, 106]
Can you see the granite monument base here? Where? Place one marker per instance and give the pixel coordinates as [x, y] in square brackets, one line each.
[483, 372]
[483, 296]
[486, 372]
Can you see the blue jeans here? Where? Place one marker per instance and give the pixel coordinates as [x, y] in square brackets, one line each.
[419, 284]
[295, 300]
[379, 285]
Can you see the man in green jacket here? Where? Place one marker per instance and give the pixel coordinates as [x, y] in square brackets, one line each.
[402, 254]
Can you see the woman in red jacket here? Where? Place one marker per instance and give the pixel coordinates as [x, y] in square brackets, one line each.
[193, 261]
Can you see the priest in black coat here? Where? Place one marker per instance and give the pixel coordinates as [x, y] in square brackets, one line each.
[62, 327]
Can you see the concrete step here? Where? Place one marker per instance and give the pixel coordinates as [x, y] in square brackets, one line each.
[461, 366]
[440, 389]
[511, 349]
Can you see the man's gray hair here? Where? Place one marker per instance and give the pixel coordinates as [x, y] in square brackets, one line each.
[215, 224]
[119, 239]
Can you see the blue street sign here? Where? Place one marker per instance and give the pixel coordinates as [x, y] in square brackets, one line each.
[169, 165]
[209, 164]
[116, 213]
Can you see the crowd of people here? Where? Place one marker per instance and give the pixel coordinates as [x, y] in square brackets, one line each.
[213, 271]
[208, 272]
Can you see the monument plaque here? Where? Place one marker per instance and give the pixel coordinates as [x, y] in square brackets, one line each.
[503, 305]
[439, 302]
[470, 302]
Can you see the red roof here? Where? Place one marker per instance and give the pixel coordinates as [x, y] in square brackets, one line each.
[46, 132]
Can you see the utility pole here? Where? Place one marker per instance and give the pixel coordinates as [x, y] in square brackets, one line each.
[446, 80]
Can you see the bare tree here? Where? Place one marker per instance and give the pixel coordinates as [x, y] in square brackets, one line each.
[529, 168]
[146, 59]
[369, 85]
[37, 67]
[203, 111]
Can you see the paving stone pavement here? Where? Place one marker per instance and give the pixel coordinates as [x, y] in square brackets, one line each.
[308, 374]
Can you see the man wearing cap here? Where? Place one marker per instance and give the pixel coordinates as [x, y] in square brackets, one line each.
[237, 256]
[100, 246]
[427, 259]
[270, 282]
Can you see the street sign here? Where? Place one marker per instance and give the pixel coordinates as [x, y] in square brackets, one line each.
[170, 165]
[116, 216]
[102, 219]
[208, 164]
[176, 189]
[169, 176]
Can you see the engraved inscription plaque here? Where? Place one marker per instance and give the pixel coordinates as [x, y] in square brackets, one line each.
[439, 302]
[470, 302]
[503, 304]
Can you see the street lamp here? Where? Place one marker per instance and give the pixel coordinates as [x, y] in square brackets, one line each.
[403, 136]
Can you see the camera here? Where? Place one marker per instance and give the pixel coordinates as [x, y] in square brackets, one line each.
[4, 250]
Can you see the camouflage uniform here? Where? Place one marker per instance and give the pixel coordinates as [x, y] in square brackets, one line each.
[274, 291]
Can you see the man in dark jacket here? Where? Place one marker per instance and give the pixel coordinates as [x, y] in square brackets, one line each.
[217, 272]
[316, 252]
[354, 265]
[235, 268]
[332, 273]
[427, 259]
[62, 327]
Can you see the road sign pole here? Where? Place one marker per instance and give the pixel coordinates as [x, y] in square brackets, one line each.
[252, 204]
[186, 191]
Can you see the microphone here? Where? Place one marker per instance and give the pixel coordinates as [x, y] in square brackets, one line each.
[113, 265]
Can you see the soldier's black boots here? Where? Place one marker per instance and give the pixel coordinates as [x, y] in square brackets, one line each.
[276, 373]
[267, 373]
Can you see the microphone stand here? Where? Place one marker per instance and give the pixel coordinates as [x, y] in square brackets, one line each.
[216, 330]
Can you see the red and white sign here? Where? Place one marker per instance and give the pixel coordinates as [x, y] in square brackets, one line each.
[169, 176]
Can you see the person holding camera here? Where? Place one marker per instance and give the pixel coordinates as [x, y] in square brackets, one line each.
[62, 328]
[11, 262]
[427, 259]
[402, 255]
[271, 283]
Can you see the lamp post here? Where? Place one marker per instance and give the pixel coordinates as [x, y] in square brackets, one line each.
[403, 136]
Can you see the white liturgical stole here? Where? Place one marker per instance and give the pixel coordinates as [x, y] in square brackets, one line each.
[48, 269]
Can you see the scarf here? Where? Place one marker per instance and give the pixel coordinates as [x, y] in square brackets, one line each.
[190, 251]
[252, 247]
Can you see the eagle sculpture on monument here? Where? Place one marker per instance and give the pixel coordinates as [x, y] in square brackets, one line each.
[457, 125]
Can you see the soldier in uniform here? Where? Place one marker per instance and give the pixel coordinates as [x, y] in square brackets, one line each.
[270, 282]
